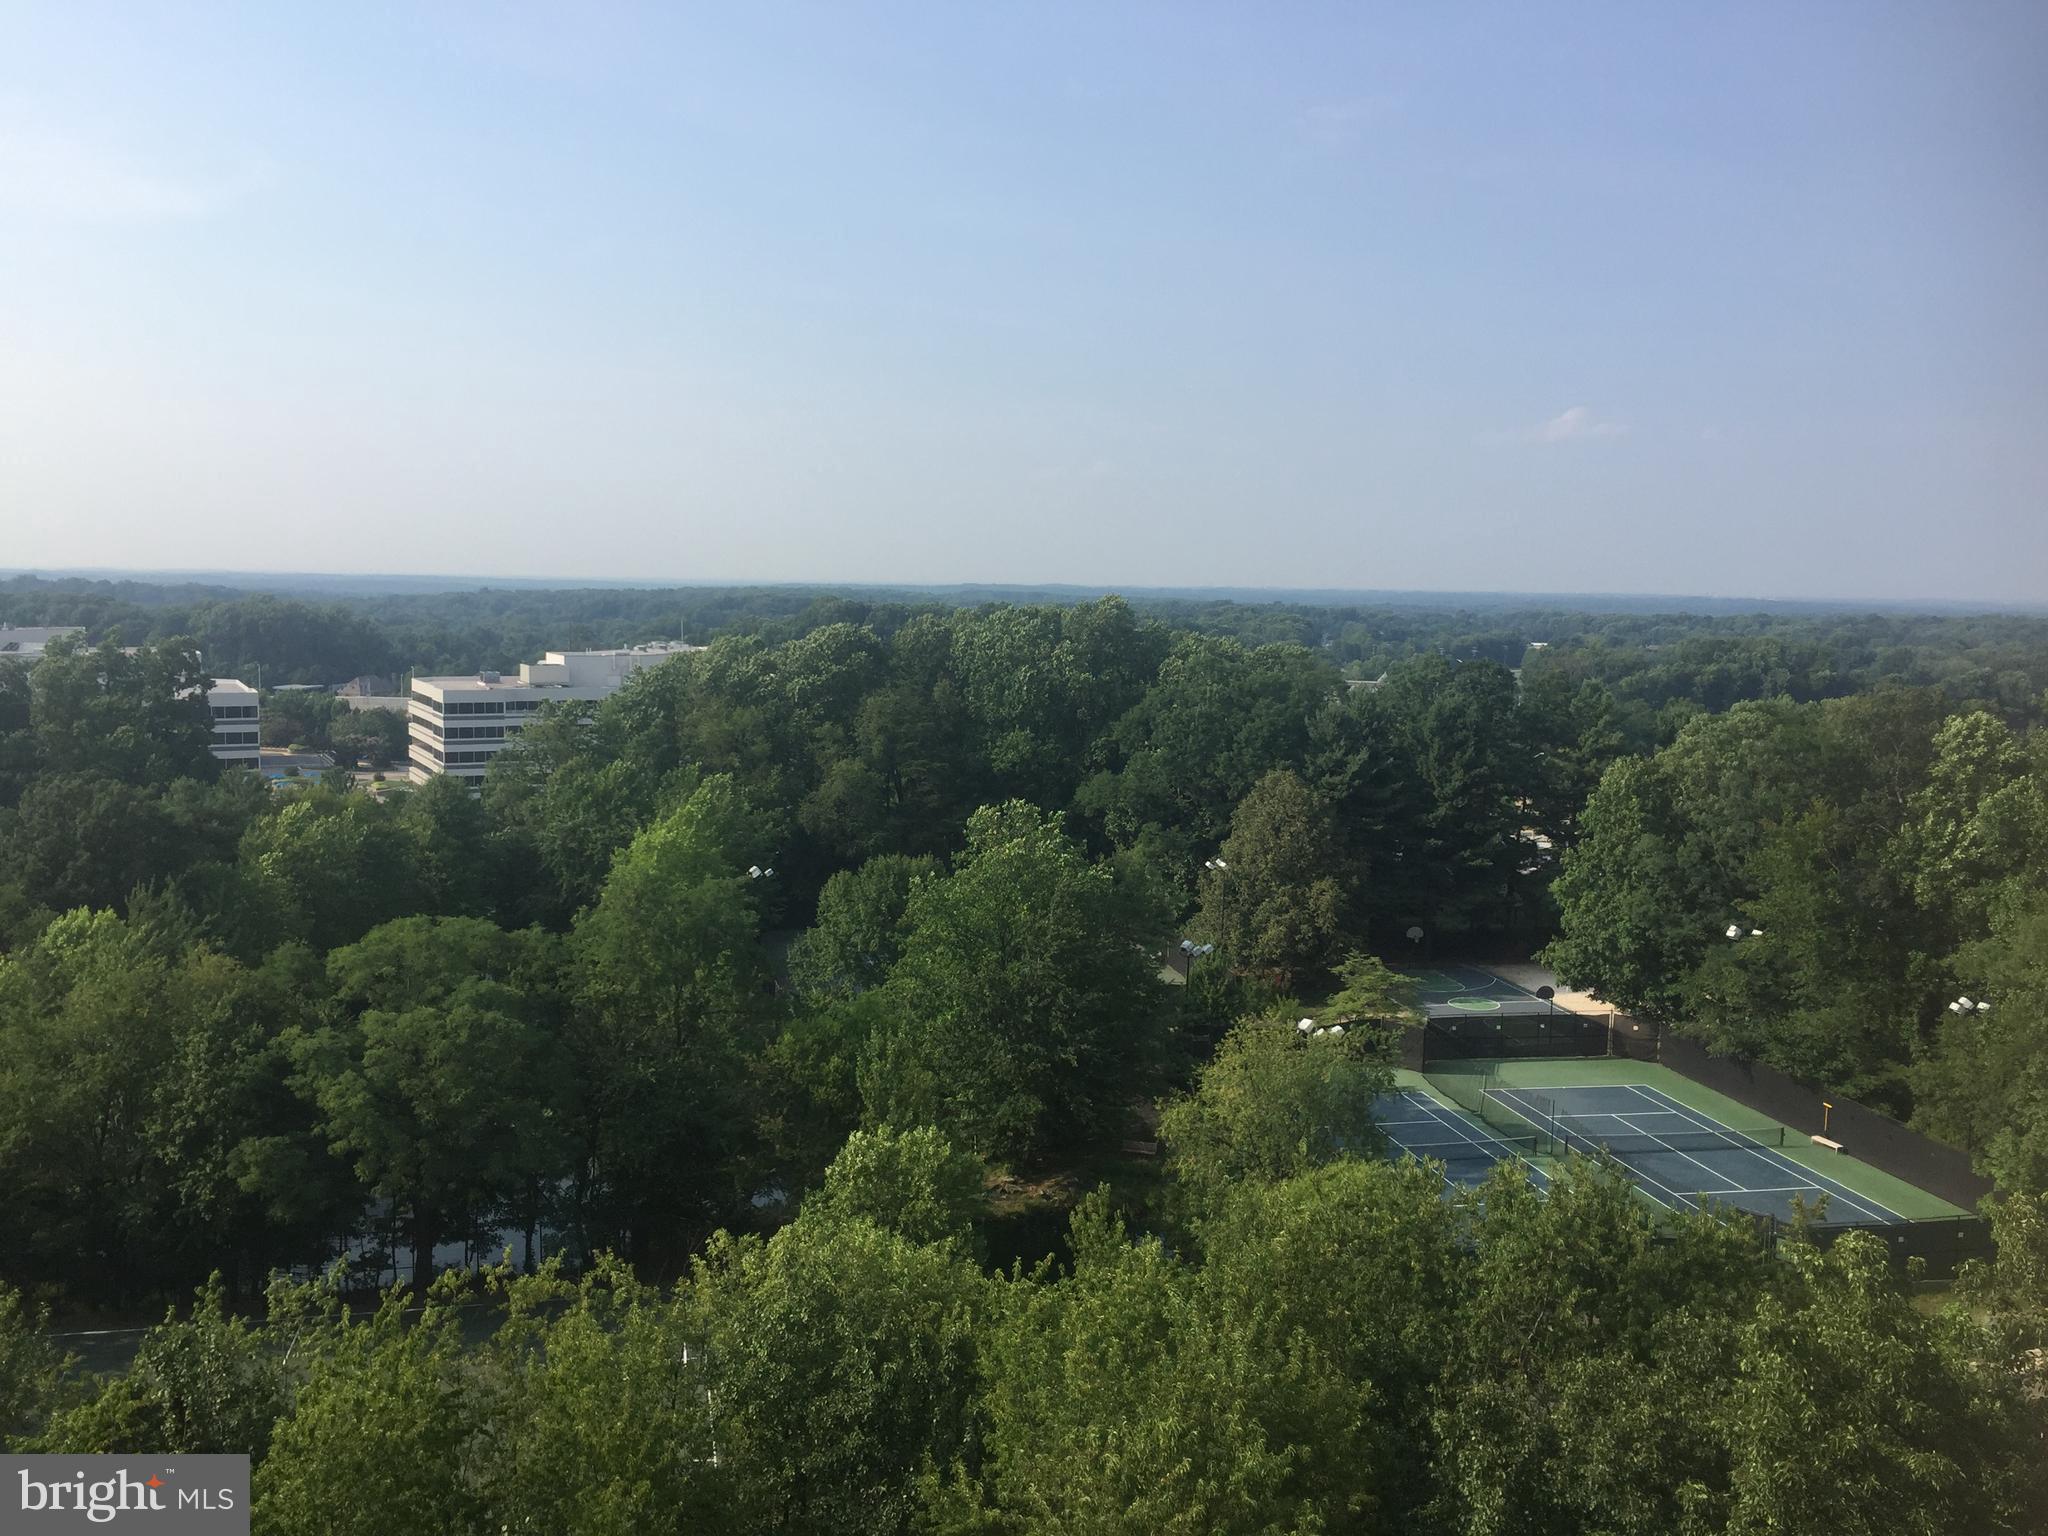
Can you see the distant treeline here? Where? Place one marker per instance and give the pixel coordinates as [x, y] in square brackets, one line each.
[1708, 661]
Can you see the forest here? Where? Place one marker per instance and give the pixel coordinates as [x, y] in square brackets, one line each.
[784, 1019]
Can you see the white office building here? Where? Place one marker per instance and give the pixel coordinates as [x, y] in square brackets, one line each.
[458, 724]
[237, 721]
[27, 642]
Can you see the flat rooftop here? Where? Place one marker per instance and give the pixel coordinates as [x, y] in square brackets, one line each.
[506, 684]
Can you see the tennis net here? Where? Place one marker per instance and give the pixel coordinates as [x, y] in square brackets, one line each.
[1702, 1140]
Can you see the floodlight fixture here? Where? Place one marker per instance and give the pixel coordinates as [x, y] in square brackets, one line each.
[1734, 930]
[1306, 1025]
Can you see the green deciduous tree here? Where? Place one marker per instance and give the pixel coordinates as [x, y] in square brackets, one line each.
[600, 1411]
[31, 1369]
[913, 1183]
[671, 993]
[1118, 1404]
[210, 1383]
[139, 717]
[1023, 995]
[1274, 1103]
[840, 1359]
[1283, 895]
[379, 1425]
[859, 931]
[444, 1085]
[335, 864]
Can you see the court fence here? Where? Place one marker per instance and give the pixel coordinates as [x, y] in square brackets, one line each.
[1529, 1121]
[1869, 1135]
[1942, 1244]
[1512, 1036]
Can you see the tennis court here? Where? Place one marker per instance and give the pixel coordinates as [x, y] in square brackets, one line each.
[1421, 1128]
[1682, 1157]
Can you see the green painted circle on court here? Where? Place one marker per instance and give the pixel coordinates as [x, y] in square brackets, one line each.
[1473, 1004]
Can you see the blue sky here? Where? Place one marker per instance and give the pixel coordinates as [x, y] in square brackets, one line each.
[1717, 299]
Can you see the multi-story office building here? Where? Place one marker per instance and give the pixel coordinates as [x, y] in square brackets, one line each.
[26, 642]
[237, 721]
[458, 724]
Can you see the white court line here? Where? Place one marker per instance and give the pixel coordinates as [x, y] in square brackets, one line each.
[1676, 1151]
[1640, 1179]
[1818, 1182]
[1833, 1187]
[1436, 1114]
[1822, 1182]
[1785, 1189]
[1734, 1138]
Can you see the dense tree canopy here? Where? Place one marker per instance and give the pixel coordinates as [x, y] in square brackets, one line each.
[810, 970]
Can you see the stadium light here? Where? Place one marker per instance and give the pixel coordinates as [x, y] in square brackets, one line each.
[1964, 1005]
[756, 872]
[1214, 864]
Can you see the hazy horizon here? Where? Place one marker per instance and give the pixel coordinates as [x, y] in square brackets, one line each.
[341, 583]
[1736, 304]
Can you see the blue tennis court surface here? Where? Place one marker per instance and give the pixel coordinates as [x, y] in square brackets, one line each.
[1680, 1157]
[1419, 1127]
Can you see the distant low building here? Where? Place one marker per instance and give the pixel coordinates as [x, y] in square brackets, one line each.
[280, 765]
[369, 685]
[27, 642]
[458, 724]
[237, 721]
